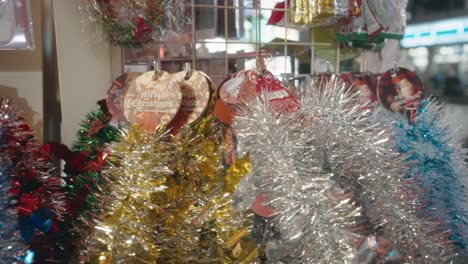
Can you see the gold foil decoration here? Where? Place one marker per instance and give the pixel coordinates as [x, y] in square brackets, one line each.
[297, 8]
[318, 12]
[323, 8]
[306, 12]
[236, 172]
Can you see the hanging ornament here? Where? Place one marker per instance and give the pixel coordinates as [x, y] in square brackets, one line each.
[115, 96]
[135, 22]
[153, 100]
[248, 84]
[365, 84]
[400, 90]
[196, 94]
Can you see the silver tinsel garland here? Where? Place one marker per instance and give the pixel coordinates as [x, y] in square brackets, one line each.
[319, 168]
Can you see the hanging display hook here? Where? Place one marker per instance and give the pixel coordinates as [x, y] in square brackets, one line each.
[188, 70]
[261, 67]
[157, 69]
[328, 67]
[269, 59]
[395, 67]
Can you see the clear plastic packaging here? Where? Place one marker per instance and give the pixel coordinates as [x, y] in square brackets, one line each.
[379, 20]
[320, 12]
[135, 22]
[16, 26]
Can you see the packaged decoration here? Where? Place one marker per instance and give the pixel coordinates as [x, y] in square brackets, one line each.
[377, 21]
[16, 25]
[135, 22]
[322, 12]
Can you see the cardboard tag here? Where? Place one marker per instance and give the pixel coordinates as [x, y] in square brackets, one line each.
[115, 96]
[196, 94]
[152, 103]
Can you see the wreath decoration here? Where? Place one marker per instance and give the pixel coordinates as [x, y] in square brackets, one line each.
[135, 22]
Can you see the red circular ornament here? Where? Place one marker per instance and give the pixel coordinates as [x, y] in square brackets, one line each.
[401, 91]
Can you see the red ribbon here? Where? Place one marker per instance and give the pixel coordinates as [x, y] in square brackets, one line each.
[78, 201]
[97, 164]
[28, 203]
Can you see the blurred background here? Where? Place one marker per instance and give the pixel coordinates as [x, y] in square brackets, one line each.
[437, 43]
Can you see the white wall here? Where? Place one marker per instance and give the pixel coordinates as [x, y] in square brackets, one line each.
[25, 89]
[84, 67]
[84, 70]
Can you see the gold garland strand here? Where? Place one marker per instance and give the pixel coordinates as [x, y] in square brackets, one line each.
[136, 199]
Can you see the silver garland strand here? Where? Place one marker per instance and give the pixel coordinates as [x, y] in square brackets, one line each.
[313, 215]
[362, 152]
[318, 166]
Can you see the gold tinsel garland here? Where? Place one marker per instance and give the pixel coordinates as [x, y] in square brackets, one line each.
[170, 200]
[136, 192]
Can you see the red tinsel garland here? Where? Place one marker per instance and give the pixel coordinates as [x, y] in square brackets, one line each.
[39, 193]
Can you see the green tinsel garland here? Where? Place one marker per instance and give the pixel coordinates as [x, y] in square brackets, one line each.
[95, 133]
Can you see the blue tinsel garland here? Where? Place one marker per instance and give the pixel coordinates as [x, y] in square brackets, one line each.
[439, 168]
